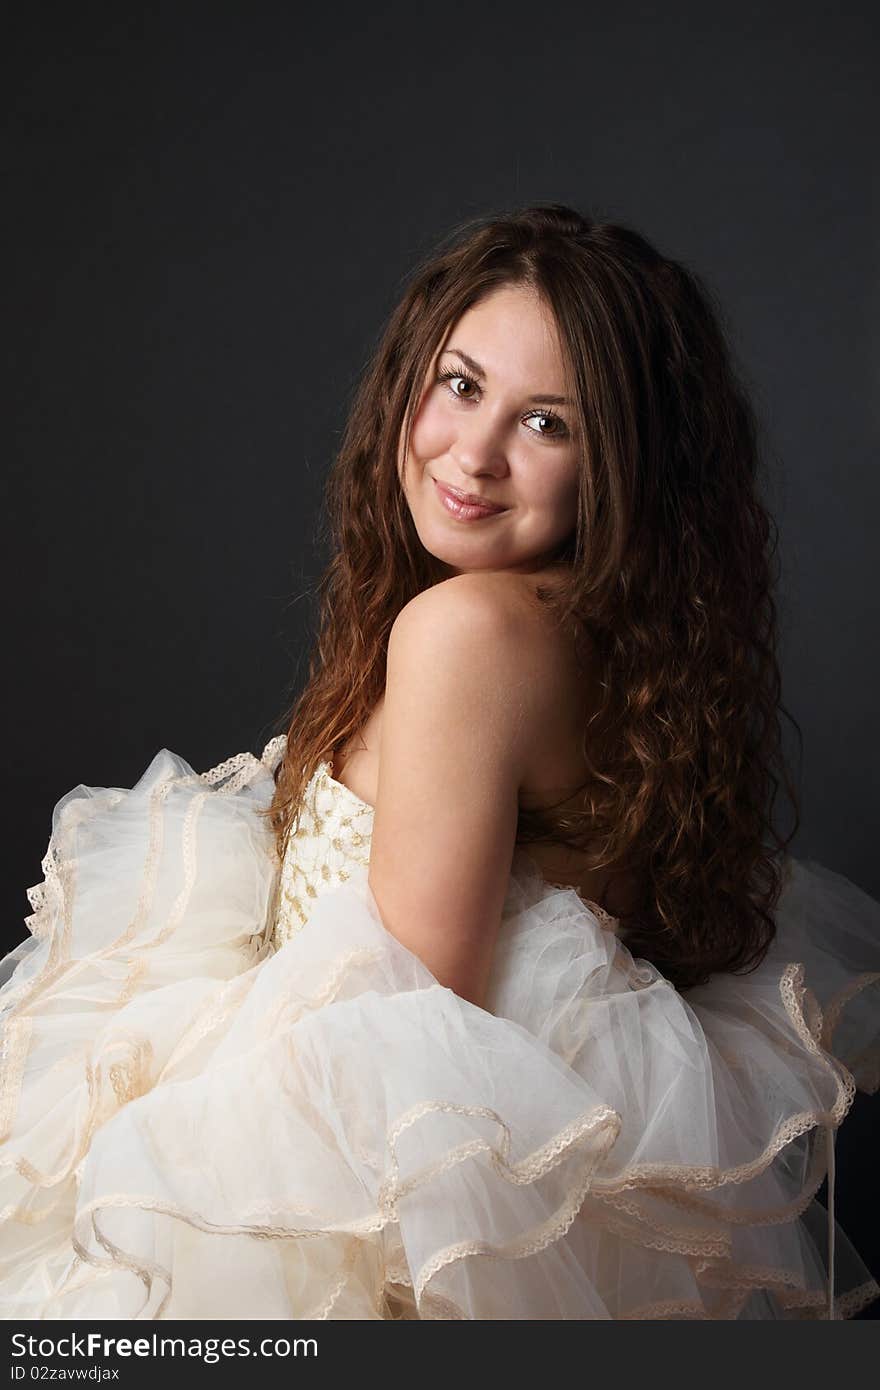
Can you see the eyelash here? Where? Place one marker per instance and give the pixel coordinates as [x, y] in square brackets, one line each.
[459, 373]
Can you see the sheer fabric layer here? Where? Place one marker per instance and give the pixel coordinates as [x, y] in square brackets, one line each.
[197, 1125]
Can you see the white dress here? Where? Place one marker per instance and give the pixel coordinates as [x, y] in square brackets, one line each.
[229, 1092]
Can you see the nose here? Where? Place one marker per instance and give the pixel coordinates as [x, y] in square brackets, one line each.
[480, 446]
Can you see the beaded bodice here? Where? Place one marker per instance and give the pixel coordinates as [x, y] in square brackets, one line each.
[332, 836]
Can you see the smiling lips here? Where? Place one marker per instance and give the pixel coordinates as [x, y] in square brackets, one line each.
[467, 506]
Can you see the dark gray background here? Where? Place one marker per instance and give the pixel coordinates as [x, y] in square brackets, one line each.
[209, 212]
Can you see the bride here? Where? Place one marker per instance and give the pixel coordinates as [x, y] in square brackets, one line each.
[489, 990]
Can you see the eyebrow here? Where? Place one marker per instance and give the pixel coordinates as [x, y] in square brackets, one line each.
[479, 371]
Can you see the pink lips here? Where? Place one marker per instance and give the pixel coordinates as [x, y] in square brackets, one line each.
[466, 505]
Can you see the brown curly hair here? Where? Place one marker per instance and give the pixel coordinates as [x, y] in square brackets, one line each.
[668, 577]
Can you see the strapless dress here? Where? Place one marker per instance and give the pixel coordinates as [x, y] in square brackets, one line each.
[229, 1092]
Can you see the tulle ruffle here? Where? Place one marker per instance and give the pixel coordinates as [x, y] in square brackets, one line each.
[197, 1127]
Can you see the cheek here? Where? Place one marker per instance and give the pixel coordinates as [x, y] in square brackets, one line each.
[569, 492]
[571, 486]
[422, 441]
[432, 432]
[554, 490]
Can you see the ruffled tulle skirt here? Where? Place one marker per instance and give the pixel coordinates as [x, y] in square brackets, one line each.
[195, 1125]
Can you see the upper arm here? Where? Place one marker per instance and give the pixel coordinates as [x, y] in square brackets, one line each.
[455, 726]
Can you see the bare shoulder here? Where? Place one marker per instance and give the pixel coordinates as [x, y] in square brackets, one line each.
[458, 649]
[492, 598]
[492, 617]
[490, 624]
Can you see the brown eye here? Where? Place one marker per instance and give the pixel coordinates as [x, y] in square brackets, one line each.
[559, 432]
[450, 376]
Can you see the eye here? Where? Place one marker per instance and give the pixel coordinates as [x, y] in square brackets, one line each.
[559, 430]
[449, 376]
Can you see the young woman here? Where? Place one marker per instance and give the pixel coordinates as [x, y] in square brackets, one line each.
[489, 990]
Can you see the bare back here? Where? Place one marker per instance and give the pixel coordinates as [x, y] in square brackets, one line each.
[557, 768]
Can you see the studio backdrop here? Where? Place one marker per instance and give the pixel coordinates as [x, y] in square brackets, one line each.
[210, 211]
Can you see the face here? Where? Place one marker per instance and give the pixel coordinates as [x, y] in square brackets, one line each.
[492, 423]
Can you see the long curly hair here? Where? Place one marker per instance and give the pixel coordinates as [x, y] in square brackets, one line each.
[668, 577]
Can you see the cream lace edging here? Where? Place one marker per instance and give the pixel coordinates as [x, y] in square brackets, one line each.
[128, 1077]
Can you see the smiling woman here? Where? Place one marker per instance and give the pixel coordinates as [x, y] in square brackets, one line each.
[474, 438]
[526, 1012]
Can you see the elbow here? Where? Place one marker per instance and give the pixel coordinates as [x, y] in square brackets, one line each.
[468, 983]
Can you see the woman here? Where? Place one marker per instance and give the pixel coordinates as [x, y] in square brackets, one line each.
[489, 991]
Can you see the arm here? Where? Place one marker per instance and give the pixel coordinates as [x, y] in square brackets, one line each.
[455, 730]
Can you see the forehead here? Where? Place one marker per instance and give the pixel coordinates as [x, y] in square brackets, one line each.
[513, 335]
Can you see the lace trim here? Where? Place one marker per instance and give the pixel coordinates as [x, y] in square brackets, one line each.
[48, 898]
[656, 1175]
[606, 920]
[669, 1310]
[739, 1216]
[835, 1007]
[322, 1311]
[738, 1281]
[14, 1047]
[846, 1305]
[867, 1064]
[77, 1277]
[728, 1307]
[31, 1174]
[526, 1172]
[531, 1169]
[58, 961]
[708, 1177]
[131, 1077]
[53, 902]
[713, 1240]
[601, 1124]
